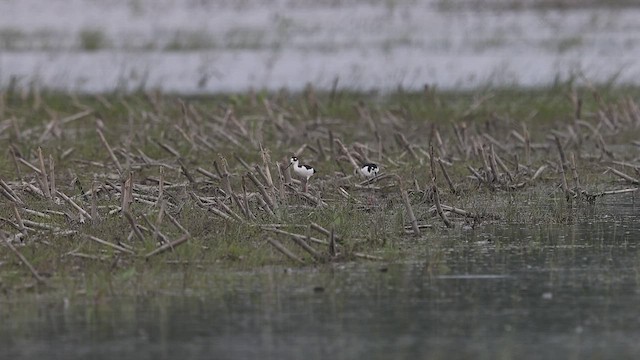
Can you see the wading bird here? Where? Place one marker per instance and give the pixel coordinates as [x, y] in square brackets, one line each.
[304, 171]
[369, 170]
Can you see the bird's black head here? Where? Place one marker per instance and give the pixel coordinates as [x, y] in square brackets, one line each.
[294, 158]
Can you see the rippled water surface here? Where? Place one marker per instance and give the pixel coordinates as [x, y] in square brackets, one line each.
[561, 291]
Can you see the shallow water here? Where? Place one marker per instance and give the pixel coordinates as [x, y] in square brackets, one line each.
[220, 46]
[562, 291]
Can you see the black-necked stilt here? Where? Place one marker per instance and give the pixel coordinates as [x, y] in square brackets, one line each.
[304, 171]
[369, 170]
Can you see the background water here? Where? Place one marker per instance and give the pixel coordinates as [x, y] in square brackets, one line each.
[209, 46]
[563, 291]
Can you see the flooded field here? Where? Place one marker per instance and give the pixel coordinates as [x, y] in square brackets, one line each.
[223, 46]
[562, 291]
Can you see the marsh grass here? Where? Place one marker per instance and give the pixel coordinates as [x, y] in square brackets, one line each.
[200, 141]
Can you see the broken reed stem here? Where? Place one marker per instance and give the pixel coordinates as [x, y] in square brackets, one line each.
[156, 232]
[527, 144]
[322, 230]
[263, 192]
[452, 187]
[436, 200]
[133, 225]
[94, 203]
[24, 260]
[266, 160]
[21, 227]
[347, 153]
[169, 246]
[112, 155]
[574, 171]
[9, 193]
[43, 175]
[308, 248]
[52, 175]
[276, 244]
[333, 248]
[160, 186]
[563, 158]
[247, 210]
[109, 244]
[565, 186]
[624, 176]
[493, 164]
[126, 191]
[412, 217]
[73, 204]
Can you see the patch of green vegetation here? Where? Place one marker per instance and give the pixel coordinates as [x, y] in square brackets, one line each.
[181, 140]
[92, 39]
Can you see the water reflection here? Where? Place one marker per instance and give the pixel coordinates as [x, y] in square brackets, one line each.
[563, 291]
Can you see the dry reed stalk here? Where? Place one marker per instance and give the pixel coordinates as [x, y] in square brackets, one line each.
[333, 247]
[263, 176]
[186, 172]
[207, 174]
[169, 149]
[109, 244]
[158, 236]
[247, 210]
[436, 200]
[9, 193]
[112, 155]
[263, 192]
[493, 164]
[565, 187]
[563, 158]
[52, 175]
[30, 166]
[24, 260]
[574, 171]
[409, 209]
[495, 142]
[43, 175]
[402, 141]
[615, 192]
[503, 166]
[322, 230]
[266, 160]
[538, 172]
[14, 158]
[294, 235]
[624, 176]
[161, 187]
[169, 246]
[177, 224]
[480, 178]
[94, 204]
[347, 154]
[21, 227]
[527, 144]
[126, 191]
[315, 200]
[452, 187]
[306, 247]
[228, 209]
[159, 219]
[134, 226]
[73, 204]
[211, 208]
[276, 244]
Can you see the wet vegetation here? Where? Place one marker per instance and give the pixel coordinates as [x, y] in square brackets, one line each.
[109, 194]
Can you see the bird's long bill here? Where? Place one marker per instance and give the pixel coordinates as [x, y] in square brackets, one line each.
[288, 166]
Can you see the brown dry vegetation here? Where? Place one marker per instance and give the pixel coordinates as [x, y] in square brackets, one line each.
[96, 185]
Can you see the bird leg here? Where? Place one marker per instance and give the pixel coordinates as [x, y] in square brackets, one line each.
[306, 185]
